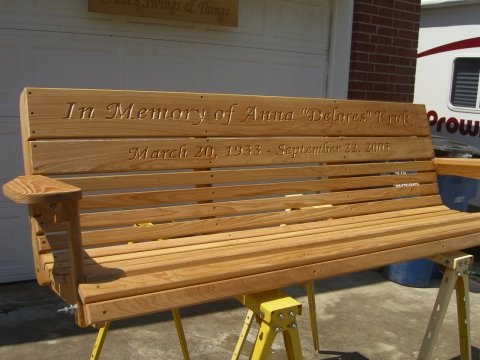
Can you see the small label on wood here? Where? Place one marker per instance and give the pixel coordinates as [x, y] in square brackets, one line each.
[214, 12]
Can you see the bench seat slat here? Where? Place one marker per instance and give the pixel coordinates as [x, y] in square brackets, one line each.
[286, 230]
[120, 308]
[243, 266]
[139, 181]
[117, 155]
[293, 246]
[161, 259]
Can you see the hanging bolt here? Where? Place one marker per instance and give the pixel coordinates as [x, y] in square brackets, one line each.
[70, 310]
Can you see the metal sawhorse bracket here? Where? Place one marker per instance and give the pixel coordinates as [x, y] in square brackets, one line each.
[277, 313]
[313, 323]
[455, 276]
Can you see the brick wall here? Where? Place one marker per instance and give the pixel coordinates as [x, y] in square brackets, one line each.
[384, 48]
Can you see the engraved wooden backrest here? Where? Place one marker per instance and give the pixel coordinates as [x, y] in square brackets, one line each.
[204, 163]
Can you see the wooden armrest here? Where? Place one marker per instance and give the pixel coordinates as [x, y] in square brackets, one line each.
[458, 166]
[37, 189]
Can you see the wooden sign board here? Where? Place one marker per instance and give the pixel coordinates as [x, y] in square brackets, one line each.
[115, 113]
[214, 12]
[112, 155]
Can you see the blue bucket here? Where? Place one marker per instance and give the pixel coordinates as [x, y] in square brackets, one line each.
[414, 273]
[456, 191]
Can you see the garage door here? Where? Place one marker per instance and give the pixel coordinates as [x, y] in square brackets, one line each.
[281, 47]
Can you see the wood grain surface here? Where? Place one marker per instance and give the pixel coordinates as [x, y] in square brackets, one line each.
[35, 189]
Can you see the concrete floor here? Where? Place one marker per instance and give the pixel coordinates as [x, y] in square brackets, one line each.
[361, 316]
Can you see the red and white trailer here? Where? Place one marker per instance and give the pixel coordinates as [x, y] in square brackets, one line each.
[448, 83]
[448, 69]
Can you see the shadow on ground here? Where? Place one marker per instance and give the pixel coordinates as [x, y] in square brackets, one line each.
[336, 355]
[475, 354]
[25, 303]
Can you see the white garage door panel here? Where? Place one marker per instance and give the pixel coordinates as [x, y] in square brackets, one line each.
[303, 76]
[9, 88]
[222, 69]
[15, 254]
[168, 67]
[301, 25]
[280, 48]
[269, 24]
[71, 67]
[10, 149]
[15, 249]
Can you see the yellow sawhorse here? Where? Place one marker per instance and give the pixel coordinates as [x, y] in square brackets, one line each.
[277, 313]
[251, 316]
[102, 334]
[455, 277]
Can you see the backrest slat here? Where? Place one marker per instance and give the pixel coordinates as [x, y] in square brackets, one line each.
[183, 212]
[152, 180]
[76, 113]
[138, 199]
[123, 155]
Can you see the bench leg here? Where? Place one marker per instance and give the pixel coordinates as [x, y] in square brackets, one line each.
[181, 334]
[97, 347]
[277, 312]
[455, 276]
[313, 314]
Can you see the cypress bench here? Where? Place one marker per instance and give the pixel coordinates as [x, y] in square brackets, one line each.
[141, 202]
